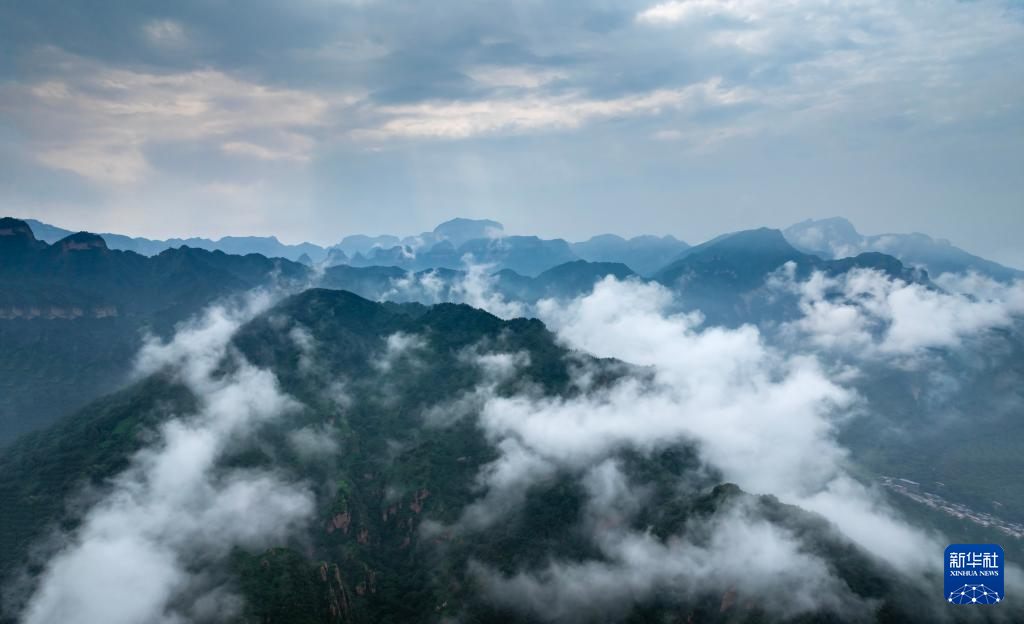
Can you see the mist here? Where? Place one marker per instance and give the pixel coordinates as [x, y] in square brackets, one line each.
[150, 549]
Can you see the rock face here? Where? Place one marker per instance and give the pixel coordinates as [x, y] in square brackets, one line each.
[9, 313]
[16, 229]
[417, 501]
[17, 242]
[338, 598]
[339, 522]
[72, 314]
[82, 241]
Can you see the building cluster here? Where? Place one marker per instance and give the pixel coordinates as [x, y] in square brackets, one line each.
[914, 491]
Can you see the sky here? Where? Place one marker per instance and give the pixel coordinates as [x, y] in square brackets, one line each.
[315, 119]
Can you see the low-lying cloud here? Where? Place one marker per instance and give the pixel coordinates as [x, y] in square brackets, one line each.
[867, 312]
[760, 416]
[742, 557]
[150, 549]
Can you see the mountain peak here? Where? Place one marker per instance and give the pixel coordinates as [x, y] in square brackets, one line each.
[460, 230]
[832, 237]
[761, 240]
[82, 241]
[462, 222]
[836, 224]
[17, 240]
[11, 227]
[740, 260]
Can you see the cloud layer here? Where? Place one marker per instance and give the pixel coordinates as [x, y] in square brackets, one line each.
[150, 550]
[866, 312]
[761, 410]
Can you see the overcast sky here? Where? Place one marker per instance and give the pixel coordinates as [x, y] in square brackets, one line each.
[313, 119]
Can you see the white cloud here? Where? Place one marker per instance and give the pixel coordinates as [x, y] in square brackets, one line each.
[677, 11]
[762, 418]
[286, 146]
[747, 406]
[164, 32]
[519, 77]
[476, 288]
[743, 554]
[504, 483]
[302, 338]
[174, 509]
[314, 443]
[400, 347]
[668, 135]
[99, 120]
[868, 313]
[465, 119]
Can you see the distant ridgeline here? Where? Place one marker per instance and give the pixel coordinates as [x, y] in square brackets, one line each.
[113, 297]
[485, 240]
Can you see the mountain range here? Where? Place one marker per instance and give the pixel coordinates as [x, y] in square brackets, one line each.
[76, 310]
[244, 438]
[73, 314]
[485, 241]
[837, 238]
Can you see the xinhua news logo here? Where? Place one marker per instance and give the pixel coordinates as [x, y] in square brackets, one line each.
[974, 574]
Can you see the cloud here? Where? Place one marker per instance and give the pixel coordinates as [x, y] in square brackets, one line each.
[314, 443]
[401, 112]
[99, 120]
[476, 288]
[748, 406]
[400, 347]
[504, 483]
[745, 555]
[761, 417]
[462, 120]
[286, 147]
[518, 77]
[762, 413]
[681, 10]
[175, 509]
[164, 32]
[868, 313]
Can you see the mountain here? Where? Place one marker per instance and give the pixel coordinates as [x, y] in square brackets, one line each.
[73, 314]
[460, 231]
[837, 238]
[527, 255]
[387, 433]
[455, 231]
[241, 245]
[447, 244]
[725, 278]
[574, 279]
[377, 549]
[737, 261]
[364, 245]
[567, 280]
[643, 254]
